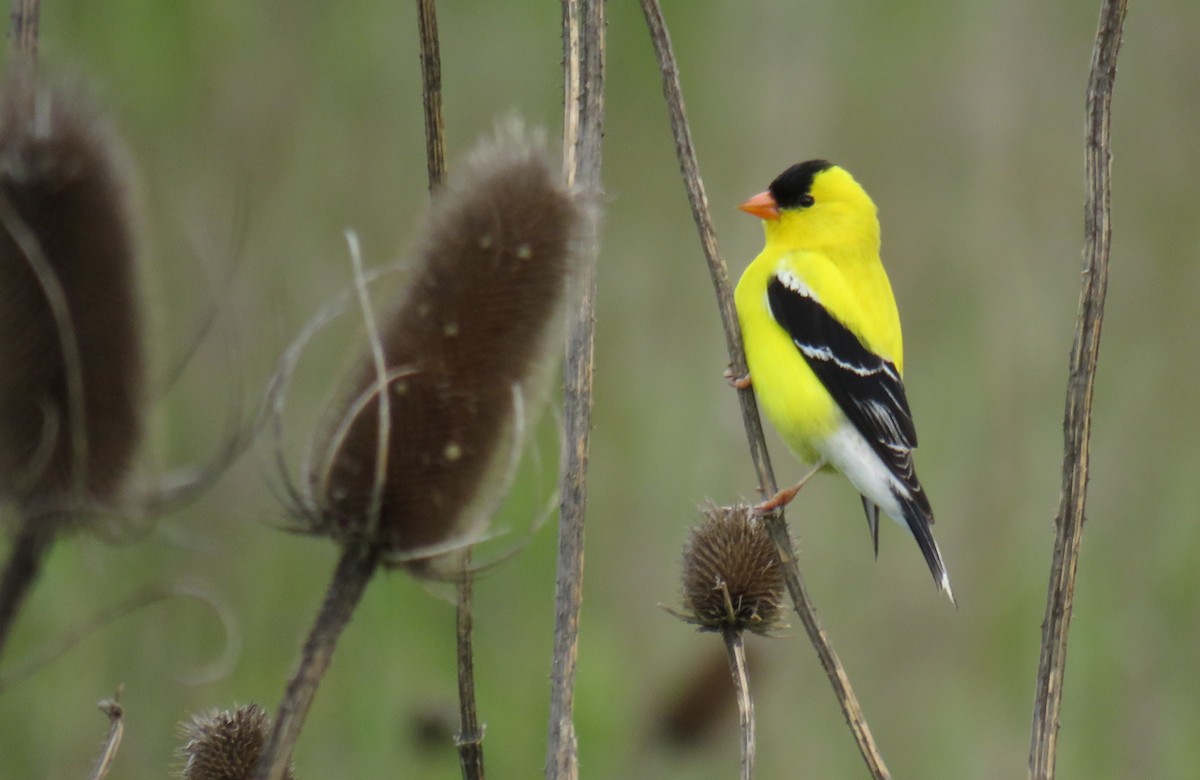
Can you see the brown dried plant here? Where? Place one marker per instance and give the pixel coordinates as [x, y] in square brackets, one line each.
[406, 470]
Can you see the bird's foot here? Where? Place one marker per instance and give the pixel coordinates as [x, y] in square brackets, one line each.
[738, 382]
[783, 497]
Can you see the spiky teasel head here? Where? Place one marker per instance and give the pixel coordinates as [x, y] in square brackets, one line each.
[224, 745]
[731, 577]
[71, 361]
[463, 356]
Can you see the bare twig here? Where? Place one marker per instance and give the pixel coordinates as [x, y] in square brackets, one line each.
[431, 92]
[737, 358]
[583, 78]
[1080, 383]
[470, 735]
[116, 729]
[736, 650]
[350, 580]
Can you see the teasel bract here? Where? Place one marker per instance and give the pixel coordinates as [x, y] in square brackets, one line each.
[224, 744]
[71, 353]
[733, 583]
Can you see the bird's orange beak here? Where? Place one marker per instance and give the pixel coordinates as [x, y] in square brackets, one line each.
[762, 205]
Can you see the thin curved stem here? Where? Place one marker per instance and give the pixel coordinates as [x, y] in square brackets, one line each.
[350, 579]
[775, 522]
[735, 647]
[1077, 422]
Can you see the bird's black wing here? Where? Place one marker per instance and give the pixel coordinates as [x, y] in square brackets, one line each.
[866, 387]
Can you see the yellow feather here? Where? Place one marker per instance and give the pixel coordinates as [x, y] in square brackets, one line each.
[833, 249]
[822, 242]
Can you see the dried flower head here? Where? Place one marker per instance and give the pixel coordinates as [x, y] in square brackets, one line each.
[731, 579]
[71, 362]
[463, 354]
[223, 745]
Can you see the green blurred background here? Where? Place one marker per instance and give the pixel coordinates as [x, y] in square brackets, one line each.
[262, 130]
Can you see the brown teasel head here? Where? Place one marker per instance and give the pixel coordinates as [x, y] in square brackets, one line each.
[71, 360]
[731, 578]
[224, 745]
[465, 350]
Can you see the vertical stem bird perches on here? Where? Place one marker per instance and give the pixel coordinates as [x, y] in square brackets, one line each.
[737, 358]
[1080, 383]
[583, 122]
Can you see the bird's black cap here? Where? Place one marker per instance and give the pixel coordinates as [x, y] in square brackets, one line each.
[790, 187]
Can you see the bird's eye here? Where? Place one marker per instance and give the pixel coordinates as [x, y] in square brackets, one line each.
[806, 201]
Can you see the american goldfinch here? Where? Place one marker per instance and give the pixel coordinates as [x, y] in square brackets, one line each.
[823, 345]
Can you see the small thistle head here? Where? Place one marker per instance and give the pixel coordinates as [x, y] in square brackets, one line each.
[71, 362]
[224, 745]
[731, 576]
[464, 351]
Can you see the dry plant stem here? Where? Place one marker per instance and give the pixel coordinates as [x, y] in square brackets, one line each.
[737, 359]
[431, 93]
[33, 540]
[116, 729]
[583, 79]
[736, 649]
[354, 571]
[470, 735]
[1080, 383]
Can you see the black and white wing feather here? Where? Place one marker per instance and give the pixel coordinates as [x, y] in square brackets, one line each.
[869, 391]
[866, 387]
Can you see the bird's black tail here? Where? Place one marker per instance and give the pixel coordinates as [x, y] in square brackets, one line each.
[919, 517]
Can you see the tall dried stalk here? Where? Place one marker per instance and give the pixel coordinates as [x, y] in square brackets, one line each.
[470, 735]
[737, 359]
[583, 121]
[431, 92]
[1077, 423]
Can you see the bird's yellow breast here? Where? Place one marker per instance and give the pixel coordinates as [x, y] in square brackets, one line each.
[790, 394]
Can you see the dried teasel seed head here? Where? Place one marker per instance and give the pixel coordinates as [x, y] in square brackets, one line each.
[731, 578]
[465, 351]
[71, 359]
[224, 745]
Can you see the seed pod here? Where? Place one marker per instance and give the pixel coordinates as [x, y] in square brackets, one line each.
[71, 364]
[466, 347]
[223, 745]
[731, 580]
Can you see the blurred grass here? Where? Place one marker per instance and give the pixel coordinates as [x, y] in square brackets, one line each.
[262, 130]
